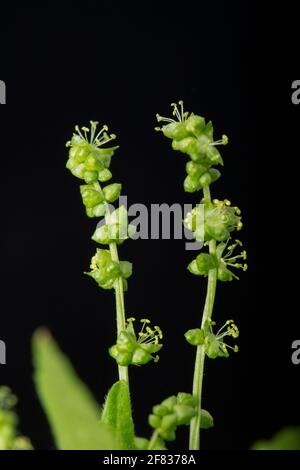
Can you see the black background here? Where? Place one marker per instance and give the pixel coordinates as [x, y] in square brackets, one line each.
[122, 68]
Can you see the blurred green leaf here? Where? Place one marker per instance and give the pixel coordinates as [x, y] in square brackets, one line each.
[285, 439]
[117, 415]
[72, 412]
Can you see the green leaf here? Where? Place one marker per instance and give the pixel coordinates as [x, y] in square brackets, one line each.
[117, 415]
[71, 410]
[286, 439]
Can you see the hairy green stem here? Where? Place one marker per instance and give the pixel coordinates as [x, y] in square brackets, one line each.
[200, 353]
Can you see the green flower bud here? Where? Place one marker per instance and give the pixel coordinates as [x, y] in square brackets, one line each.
[151, 348]
[141, 348]
[207, 420]
[79, 171]
[168, 435]
[191, 184]
[104, 270]
[124, 359]
[186, 399]
[126, 342]
[195, 125]
[90, 196]
[154, 421]
[191, 146]
[184, 414]
[195, 337]
[205, 262]
[160, 410]
[175, 130]
[140, 443]
[168, 422]
[112, 192]
[195, 170]
[219, 220]
[104, 175]
[209, 177]
[215, 348]
[102, 235]
[99, 210]
[169, 403]
[213, 155]
[118, 216]
[92, 164]
[126, 268]
[225, 274]
[90, 176]
[140, 357]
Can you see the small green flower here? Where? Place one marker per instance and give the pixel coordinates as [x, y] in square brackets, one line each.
[204, 262]
[214, 344]
[116, 229]
[137, 349]
[176, 411]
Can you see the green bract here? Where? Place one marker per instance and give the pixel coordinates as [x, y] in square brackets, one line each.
[137, 350]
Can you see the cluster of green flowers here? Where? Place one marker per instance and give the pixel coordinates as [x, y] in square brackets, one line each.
[9, 438]
[213, 220]
[176, 411]
[191, 135]
[137, 350]
[201, 265]
[105, 271]
[89, 161]
[214, 344]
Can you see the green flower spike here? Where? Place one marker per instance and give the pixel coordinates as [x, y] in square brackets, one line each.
[137, 350]
[105, 271]
[173, 412]
[214, 344]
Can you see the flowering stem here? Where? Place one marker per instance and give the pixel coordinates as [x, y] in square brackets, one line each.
[200, 353]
